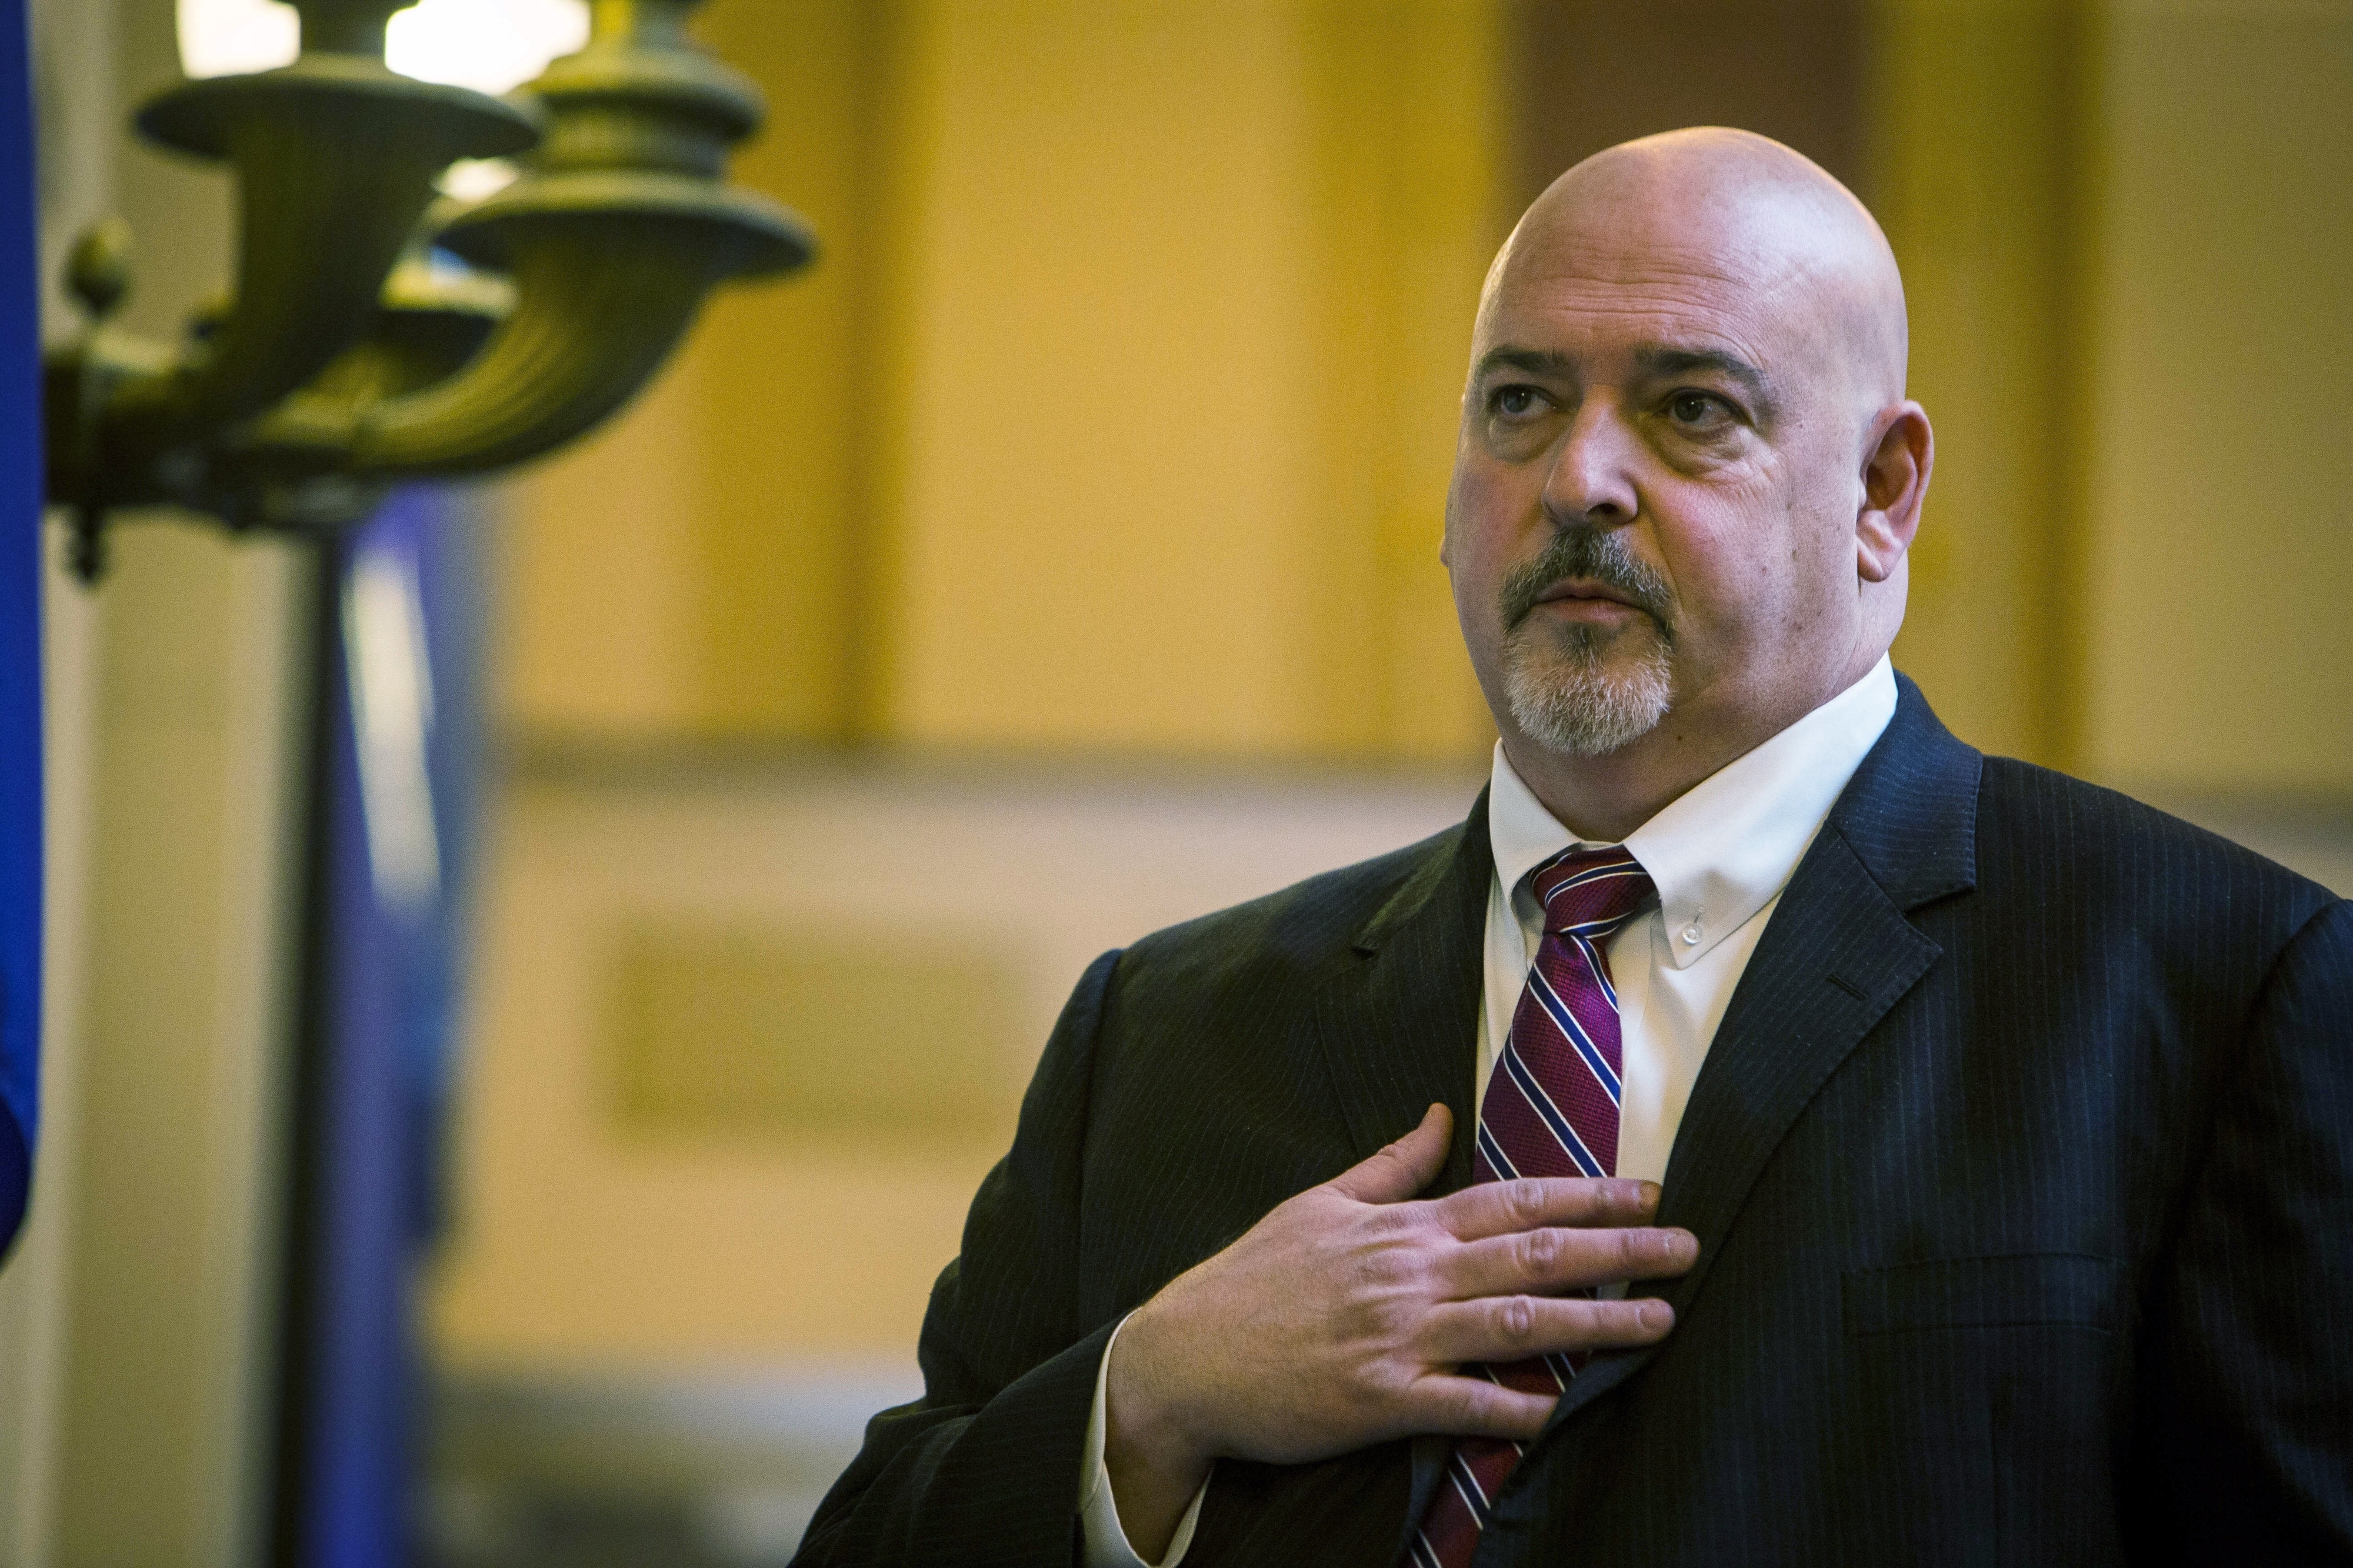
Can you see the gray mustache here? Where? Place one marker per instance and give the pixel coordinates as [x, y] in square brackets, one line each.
[1596, 556]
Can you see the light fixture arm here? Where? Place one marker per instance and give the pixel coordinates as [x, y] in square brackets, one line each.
[335, 371]
[614, 235]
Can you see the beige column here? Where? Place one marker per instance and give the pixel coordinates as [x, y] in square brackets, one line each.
[135, 1326]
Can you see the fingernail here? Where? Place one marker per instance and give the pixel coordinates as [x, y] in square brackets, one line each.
[1657, 1315]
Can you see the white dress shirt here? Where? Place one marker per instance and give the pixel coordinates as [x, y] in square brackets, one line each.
[1719, 855]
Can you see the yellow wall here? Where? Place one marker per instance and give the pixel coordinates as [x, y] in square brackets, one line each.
[1117, 413]
[2123, 232]
[2217, 469]
[1138, 324]
[698, 570]
[1178, 435]
[1977, 177]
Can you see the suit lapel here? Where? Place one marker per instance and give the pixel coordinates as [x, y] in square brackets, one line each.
[1398, 1026]
[1398, 1030]
[1836, 955]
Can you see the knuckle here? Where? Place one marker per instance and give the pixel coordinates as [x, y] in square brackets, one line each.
[1514, 1319]
[1523, 1200]
[1537, 1253]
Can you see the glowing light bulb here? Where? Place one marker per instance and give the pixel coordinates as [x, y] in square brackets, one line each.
[490, 45]
[227, 38]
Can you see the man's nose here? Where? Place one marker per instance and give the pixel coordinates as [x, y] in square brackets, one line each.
[1591, 478]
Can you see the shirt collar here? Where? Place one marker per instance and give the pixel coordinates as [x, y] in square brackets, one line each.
[1721, 850]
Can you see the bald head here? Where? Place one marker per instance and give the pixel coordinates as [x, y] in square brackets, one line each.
[1768, 222]
[1687, 476]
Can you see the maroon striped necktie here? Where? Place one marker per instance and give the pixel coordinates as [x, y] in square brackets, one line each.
[1551, 1110]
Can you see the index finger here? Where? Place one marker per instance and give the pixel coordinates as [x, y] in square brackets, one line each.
[1525, 1203]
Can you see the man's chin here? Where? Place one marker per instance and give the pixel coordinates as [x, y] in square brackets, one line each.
[1587, 707]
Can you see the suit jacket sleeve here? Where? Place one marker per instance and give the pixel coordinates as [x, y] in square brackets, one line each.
[984, 1468]
[2253, 1419]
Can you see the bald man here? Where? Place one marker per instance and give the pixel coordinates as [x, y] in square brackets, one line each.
[1767, 1131]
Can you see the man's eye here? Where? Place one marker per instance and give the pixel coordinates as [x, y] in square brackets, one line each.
[1517, 401]
[1694, 409]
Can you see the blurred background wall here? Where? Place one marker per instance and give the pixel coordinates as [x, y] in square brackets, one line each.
[1118, 426]
[1056, 561]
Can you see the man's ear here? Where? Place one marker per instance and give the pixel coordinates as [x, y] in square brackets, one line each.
[1894, 482]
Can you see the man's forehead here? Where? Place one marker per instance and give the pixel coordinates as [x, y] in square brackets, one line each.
[1613, 299]
[1706, 242]
[1648, 307]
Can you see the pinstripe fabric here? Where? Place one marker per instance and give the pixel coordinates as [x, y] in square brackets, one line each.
[2021, 1166]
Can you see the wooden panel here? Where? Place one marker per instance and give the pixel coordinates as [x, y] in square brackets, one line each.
[1588, 74]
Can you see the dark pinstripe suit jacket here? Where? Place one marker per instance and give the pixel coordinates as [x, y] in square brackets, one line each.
[2021, 1167]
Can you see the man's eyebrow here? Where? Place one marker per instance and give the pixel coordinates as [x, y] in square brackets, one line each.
[1659, 361]
[1536, 362]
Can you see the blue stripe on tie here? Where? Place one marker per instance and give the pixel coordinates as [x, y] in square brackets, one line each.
[1601, 970]
[1564, 1371]
[1549, 1114]
[1424, 1552]
[1540, 985]
[1626, 867]
[1497, 1161]
[1621, 866]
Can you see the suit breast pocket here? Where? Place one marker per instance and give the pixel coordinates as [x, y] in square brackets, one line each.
[1993, 1390]
[2019, 1290]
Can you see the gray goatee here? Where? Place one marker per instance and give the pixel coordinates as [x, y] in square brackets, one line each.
[1563, 690]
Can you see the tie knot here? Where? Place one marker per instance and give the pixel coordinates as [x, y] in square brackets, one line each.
[1589, 892]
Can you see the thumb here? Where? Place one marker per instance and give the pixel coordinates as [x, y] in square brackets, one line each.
[1405, 1167]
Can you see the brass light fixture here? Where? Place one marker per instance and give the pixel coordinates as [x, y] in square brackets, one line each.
[381, 332]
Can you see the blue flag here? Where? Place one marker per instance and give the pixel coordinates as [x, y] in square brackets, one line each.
[20, 631]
